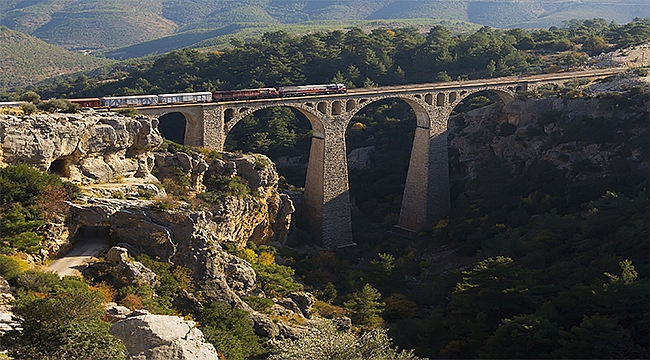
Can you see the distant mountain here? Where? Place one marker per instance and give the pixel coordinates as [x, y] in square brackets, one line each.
[102, 24]
[25, 60]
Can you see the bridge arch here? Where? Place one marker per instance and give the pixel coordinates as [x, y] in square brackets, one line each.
[193, 117]
[233, 115]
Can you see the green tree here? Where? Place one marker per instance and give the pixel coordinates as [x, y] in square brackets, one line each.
[523, 337]
[598, 337]
[230, 331]
[491, 68]
[31, 97]
[364, 306]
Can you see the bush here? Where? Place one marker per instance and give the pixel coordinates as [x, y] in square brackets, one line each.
[260, 304]
[28, 108]
[59, 318]
[23, 183]
[324, 341]
[58, 105]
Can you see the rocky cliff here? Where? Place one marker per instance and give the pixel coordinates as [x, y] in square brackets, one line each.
[226, 199]
[584, 137]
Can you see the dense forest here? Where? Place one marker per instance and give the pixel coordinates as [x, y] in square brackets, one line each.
[534, 261]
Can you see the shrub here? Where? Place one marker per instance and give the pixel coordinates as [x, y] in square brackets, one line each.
[58, 105]
[9, 267]
[324, 341]
[130, 112]
[28, 108]
[59, 318]
[260, 304]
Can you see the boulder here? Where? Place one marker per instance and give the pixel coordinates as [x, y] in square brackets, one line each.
[7, 321]
[343, 323]
[304, 301]
[161, 337]
[258, 169]
[361, 158]
[115, 313]
[264, 326]
[130, 272]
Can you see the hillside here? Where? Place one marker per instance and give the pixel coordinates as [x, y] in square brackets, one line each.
[73, 24]
[25, 60]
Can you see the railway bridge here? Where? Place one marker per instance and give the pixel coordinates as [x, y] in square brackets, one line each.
[326, 203]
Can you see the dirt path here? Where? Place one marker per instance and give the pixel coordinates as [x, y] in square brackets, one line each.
[91, 243]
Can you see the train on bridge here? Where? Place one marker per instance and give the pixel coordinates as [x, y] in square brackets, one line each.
[202, 97]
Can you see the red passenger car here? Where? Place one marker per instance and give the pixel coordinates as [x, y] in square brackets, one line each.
[245, 94]
[87, 102]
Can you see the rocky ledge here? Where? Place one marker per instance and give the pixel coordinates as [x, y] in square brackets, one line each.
[94, 147]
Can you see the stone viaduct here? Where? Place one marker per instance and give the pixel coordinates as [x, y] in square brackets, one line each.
[326, 203]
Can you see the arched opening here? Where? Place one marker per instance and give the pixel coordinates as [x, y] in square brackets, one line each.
[60, 167]
[337, 108]
[350, 105]
[322, 107]
[440, 99]
[428, 98]
[172, 127]
[284, 134]
[379, 139]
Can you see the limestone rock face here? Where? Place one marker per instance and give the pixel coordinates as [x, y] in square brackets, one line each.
[524, 132]
[191, 238]
[93, 147]
[161, 337]
[169, 164]
[130, 272]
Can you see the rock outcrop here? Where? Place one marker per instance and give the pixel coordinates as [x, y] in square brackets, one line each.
[91, 147]
[161, 337]
[128, 272]
[7, 322]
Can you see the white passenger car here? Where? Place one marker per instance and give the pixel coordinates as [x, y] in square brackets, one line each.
[136, 100]
[184, 98]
